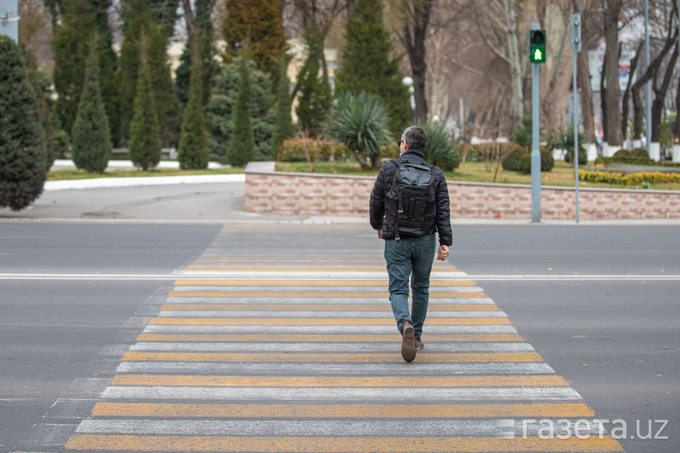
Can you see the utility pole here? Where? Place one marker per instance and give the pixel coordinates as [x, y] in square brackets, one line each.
[648, 86]
[9, 19]
[537, 48]
[575, 49]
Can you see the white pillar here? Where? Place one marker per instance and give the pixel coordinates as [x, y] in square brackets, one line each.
[605, 150]
[655, 151]
[611, 150]
[676, 153]
[637, 144]
[592, 151]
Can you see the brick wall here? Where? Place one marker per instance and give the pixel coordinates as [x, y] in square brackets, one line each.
[306, 194]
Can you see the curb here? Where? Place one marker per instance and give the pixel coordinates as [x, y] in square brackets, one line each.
[143, 181]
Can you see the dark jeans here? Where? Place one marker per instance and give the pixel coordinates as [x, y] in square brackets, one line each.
[410, 257]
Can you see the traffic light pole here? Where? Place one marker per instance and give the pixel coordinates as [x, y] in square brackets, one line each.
[576, 48]
[535, 151]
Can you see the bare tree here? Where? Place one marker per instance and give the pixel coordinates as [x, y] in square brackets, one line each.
[416, 16]
[497, 22]
[612, 13]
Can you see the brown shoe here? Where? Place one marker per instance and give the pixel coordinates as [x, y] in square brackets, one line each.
[418, 342]
[408, 347]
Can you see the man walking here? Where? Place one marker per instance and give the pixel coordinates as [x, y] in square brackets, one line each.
[409, 204]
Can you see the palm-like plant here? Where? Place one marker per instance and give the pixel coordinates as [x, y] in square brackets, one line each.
[361, 122]
[565, 140]
[441, 150]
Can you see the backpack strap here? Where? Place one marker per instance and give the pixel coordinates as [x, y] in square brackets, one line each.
[397, 174]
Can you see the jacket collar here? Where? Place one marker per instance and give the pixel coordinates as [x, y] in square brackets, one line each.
[414, 152]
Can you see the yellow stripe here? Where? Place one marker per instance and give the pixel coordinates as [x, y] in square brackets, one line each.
[255, 270]
[216, 411]
[284, 263]
[315, 295]
[328, 358]
[320, 307]
[305, 338]
[330, 444]
[320, 321]
[309, 283]
[333, 381]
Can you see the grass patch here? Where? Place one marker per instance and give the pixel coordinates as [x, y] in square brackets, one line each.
[562, 175]
[72, 174]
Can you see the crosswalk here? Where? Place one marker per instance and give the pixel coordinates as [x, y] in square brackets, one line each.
[281, 338]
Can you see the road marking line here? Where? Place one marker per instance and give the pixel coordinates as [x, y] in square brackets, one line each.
[335, 369]
[342, 331]
[346, 316]
[344, 394]
[191, 337]
[319, 307]
[340, 321]
[354, 269]
[333, 381]
[383, 283]
[329, 358]
[316, 295]
[245, 410]
[331, 444]
[237, 346]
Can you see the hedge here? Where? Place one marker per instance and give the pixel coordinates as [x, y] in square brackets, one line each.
[633, 179]
[293, 150]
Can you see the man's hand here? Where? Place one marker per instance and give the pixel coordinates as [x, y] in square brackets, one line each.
[443, 252]
[380, 233]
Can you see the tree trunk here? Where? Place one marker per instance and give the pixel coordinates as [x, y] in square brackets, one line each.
[603, 97]
[517, 102]
[626, 94]
[660, 97]
[637, 112]
[586, 107]
[613, 95]
[413, 37]
[676, 129]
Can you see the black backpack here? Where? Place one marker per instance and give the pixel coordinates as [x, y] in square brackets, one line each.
[410, 208]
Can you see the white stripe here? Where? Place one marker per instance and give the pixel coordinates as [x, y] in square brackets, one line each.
[325, 300]
[386, 427]
[403, 395]
[356, 314]
[327, 289]
[432, 347]
[369, 275]
[335, 369]
[333, 330]
[339, 276]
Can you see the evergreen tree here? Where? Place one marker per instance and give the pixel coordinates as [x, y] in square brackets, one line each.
[193, 142]
[70, 46]
[40, 83]
[257, 24]
[220, 111]
[137, 17]
[314, 100]
[206, 48]
[22, 150]
[367, 63]
[167, 104]
[91, 135]
[78, 20]
[283, 128]
[241, 146]
[164, 13]
[144, 148]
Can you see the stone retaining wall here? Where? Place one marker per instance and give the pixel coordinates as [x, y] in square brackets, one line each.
[331, 195]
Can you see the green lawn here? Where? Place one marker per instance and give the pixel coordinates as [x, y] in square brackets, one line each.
[63, 175]
[561, 175]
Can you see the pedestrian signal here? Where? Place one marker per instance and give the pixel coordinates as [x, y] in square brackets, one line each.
[537, 40]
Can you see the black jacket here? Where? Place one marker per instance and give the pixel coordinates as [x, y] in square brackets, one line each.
[382, 186]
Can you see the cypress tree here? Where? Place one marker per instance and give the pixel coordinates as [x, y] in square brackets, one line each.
[220, 111]
[167, 104]
[367, 63]
[137, 17]
[193, 142]
[164, 13]
[241, 146]
[91, 135]
[183, 76]
[257, 24]
[144, 147]
[283, 126]
[315, 94]
[22, 150]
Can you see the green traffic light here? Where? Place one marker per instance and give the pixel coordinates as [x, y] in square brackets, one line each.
[537, 46]
[538, 55]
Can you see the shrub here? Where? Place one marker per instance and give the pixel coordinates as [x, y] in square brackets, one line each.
[473, 153]
[547, 161]
[565, 140]
[622, 153]
[638, 153]
[360, 121]
[441, 150]
[513, 160]
[293, 150]
[632, 179]
[22, 150]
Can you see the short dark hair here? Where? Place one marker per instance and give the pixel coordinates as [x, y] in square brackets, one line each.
[416, 137]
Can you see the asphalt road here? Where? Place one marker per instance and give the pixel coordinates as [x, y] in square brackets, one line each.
[581, 295]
